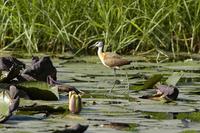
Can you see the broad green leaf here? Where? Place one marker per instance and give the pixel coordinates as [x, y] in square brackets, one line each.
[148, 84]
[174, 78]
[5, 102]
[136, 87]
[38, 90]
[1, 74]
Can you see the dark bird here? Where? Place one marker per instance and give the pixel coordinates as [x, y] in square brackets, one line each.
[169, 93]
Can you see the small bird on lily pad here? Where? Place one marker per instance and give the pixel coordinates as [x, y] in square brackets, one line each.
[167, 92]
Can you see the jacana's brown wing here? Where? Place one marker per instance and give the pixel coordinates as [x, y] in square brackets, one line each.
[114, 60]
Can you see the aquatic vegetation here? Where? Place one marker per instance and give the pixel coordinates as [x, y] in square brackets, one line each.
[194, 116]
[120, 111]
[9, 102]
[39, 90]
[122, 126]
[190, 131]
[124, 25]
[158, 115]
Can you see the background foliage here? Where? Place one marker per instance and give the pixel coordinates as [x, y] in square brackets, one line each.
[124, 25]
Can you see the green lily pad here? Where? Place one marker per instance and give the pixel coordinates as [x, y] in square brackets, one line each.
[152, 81]
[163, 108]
[37, 90]
[5, 101]
[148, 84]
[1, 74]
[174, 78]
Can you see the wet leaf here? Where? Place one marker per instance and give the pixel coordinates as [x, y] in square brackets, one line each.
[1, 74]
[174, 78]
[148, 84]
[194, 116]
[9, 102]
[163, 108]
[78, 128]
[13, 73]
[121, 126]
[4, 106]
[38, 90]
[42, 108]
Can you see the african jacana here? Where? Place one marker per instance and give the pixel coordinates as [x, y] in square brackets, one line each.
[110, 59]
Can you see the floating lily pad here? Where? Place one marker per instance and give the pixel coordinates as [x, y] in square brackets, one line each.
[5, 102]
[121, 126]
[183, 66]
[194, 116]
[152, 81]
[9, 101]
[174, 78]
[37, 90]
[163, 108]
[148, 84]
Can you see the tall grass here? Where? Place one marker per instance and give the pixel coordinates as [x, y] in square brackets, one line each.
[124, 25]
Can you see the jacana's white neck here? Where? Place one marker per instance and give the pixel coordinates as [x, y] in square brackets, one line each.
[100, 50]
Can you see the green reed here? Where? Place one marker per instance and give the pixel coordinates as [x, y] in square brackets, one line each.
[124, 25]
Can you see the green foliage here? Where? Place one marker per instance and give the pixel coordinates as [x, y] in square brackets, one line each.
[174, 78]
[158, 115]
[148, 84]
[5, 102]
[194, 116]
[191, 131]
[123, 25]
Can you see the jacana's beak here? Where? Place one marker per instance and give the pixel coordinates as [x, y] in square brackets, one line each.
[92, 46]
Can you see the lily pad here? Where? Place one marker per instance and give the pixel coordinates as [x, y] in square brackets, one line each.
[5, 101]
[174, 78]
[163, 108]
[9, 102]
[37, 90]
[148, 84]
[4, 112]
[152, 81]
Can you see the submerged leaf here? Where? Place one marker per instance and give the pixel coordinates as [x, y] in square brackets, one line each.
[38, 90]
[174, 78]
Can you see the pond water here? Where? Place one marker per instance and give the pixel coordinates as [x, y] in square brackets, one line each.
[121, 110]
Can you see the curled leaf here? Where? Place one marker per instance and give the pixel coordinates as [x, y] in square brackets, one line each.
[174, 78]
[9, 102]
[37, 90]
[148, 84]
